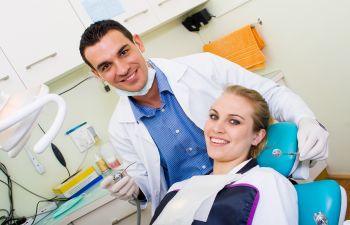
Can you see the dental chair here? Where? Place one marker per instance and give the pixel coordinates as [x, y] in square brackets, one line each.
[320, 202]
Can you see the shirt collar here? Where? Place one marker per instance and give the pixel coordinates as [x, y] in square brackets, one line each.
[163, 86]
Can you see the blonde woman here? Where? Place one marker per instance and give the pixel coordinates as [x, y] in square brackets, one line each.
[238, 191]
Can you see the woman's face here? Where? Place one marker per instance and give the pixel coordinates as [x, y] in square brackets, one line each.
[229, 129]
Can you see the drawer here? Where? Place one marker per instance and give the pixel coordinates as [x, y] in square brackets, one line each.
[107, 214]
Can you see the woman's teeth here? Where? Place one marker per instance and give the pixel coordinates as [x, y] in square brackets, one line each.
[218, 141]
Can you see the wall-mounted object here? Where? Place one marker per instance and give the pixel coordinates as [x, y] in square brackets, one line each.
[34, 160]
[197, 20]
[83, 136]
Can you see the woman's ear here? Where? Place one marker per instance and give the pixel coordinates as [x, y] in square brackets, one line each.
[258, 137]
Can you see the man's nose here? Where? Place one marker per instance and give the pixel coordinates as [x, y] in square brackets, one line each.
[122, 68]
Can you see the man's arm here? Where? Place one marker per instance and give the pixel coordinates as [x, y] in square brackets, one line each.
[135, 183]
[283, 103]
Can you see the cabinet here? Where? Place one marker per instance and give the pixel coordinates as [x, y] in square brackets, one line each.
[136, 15]
[117, 212]
[140, 16]
[98, 207]
[168, 9]
[9, 81]
[40, 38]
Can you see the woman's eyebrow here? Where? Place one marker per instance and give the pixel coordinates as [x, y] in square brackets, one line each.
[211, 109]
[234, 115]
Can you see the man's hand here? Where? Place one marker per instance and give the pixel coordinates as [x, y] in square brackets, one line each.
[124, 189]
[312, 140]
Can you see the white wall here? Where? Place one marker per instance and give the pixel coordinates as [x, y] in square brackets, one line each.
[308, 40]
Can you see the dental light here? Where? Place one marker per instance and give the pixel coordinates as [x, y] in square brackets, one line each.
[18, 114]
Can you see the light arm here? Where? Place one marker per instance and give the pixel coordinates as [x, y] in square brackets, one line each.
[28, 110]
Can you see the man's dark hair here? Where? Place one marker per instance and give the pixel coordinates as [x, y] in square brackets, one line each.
[96, 31]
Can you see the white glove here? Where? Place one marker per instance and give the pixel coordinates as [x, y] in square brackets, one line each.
[312, 140]
[124, 189]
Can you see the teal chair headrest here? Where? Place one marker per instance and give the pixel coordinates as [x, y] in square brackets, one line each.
[281, 148]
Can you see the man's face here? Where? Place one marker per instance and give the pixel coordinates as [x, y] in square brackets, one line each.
[119, 61]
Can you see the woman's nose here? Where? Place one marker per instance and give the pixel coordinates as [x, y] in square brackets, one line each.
[218, 126]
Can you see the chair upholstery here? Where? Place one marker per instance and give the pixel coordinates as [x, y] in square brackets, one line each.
[319, 196]
[281, 148]
[315, 199]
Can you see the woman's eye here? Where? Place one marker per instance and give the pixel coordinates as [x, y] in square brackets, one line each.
[213, 117]
[235, 122]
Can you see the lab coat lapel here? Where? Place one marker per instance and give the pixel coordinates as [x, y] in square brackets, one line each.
[174, 73]
[142, 132]
[126, 115]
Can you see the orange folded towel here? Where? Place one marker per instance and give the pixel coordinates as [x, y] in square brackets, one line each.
[242, 47]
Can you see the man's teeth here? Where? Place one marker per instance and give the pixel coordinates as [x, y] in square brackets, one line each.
[218, 141]
[132, 76]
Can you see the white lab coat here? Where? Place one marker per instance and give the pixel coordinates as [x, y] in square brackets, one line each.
[196, 80]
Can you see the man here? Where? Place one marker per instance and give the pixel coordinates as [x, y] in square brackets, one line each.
[157, 126]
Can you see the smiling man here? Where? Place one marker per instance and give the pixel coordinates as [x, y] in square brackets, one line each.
[158, 123]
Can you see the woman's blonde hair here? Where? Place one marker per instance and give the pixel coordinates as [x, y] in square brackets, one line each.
[261, 115]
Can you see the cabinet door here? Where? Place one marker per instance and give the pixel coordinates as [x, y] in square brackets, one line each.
[108, 214]
[136, 15]
[9, 81]
[40, 38]
[167, 9]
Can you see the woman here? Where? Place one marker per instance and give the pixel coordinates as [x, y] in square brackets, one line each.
[238, 191]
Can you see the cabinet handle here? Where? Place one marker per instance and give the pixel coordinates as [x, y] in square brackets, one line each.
[135, 15]
[116, 221]
[162, 2]
[40, 60]
[4, 77]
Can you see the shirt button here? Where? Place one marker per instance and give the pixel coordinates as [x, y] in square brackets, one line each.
[177, 131]
[162, 110]
[189, 149]
[204, 166]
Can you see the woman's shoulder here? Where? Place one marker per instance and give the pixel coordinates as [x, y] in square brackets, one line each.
[177, 186]
[264, 174]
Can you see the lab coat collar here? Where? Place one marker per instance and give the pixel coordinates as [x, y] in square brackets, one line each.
[124, 111]
[174, 72]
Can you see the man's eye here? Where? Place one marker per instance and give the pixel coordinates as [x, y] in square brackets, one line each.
[235, 122]
[124, 52]
[104, 68]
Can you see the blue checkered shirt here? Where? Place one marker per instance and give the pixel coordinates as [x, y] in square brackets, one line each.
[180, 142]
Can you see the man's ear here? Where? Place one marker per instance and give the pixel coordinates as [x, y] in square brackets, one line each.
[138, 42]
[258, 137]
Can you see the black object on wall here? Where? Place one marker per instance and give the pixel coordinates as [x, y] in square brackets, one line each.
[197, 20]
